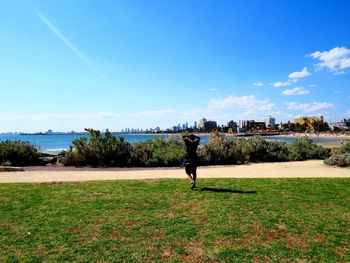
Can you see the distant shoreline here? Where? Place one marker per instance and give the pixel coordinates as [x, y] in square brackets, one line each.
[291, 135]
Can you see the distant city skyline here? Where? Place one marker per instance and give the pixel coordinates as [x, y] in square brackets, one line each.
[69, 65]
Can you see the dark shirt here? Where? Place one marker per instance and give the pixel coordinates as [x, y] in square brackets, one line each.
[191, 149]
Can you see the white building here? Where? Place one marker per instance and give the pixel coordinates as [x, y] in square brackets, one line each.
[202, 123]
[270, 122]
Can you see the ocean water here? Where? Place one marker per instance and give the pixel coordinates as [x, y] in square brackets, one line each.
[58, 142]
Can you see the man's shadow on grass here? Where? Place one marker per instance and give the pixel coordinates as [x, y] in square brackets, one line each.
[223, 190]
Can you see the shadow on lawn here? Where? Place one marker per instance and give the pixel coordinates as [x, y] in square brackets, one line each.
[221, 190]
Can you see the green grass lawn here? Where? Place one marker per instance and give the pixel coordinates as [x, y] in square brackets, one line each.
[253, 220]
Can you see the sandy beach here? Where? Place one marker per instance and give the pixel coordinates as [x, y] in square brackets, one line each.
[304, 169]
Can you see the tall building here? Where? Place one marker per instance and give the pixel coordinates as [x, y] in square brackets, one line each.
[202, 123]
[270, 122]
[210, 125]
[244, 124]
[232, 126]
[195, 125]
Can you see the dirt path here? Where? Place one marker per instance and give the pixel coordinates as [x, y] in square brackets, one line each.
[305, 169]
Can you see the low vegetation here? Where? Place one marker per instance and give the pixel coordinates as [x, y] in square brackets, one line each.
[157, 152]
[340, 157]
[224, 220]
[102, 149]
[105, 150]
[17, 153]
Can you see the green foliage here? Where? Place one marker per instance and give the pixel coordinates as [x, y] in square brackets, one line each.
[106, 150]
[101, 150]
[345, 148]
[341, 156]
[277, 152]
[223, 150]
[17, 153]
[339, 159]
[305, 148]
[158, 152]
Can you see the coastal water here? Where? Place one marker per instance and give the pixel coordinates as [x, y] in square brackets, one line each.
[57, 142]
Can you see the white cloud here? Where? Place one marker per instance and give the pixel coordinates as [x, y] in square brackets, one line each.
[212, 89]
[337, 92]
[309, 107]
[295, 91]
[279, 84]
[312, 85]
[299, 74]
[244, 102]
[58, 122]
[258, 83]
[156, 113]
[59, 117]
[336, 59]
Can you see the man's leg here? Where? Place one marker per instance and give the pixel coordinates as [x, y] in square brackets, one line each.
[188, 172]
[194, 176]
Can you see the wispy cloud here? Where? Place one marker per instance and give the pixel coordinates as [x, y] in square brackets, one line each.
[69, 44]
[244, 102]
[295, 91]
[258, 83]
[299, 74]
[60, 117]
[309, 107]
[58, 121]
[279, 84]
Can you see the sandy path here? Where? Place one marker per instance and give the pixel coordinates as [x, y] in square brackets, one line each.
[306, 169]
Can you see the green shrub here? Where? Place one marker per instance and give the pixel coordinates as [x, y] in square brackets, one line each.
[158, 152]
[345, 148]
[339, 159]
[225, 150]
[277, 152]
[106, 150]
[305, 148]
[100, 150]
[17, 153]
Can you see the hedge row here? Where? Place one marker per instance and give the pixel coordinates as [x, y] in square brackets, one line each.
[106, 150]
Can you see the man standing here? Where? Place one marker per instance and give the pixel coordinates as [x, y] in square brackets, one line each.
[191, 161]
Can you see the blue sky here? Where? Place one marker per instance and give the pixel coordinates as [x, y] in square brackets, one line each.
[67, 65]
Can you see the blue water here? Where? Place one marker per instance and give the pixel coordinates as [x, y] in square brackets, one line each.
[63, 141]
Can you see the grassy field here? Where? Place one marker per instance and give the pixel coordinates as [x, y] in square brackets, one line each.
[223, 220]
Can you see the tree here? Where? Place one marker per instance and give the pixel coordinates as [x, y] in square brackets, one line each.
[347, 123]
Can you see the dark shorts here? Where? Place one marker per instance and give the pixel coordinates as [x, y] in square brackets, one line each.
[190, 167]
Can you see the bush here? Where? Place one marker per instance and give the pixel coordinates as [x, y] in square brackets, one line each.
[277, 152]
[305, 148]
[100, 150]
[106, 150]
[224, 150]
[158, 152]
[345, 148]
[341, 156]
[339, 159]
[17, 153]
